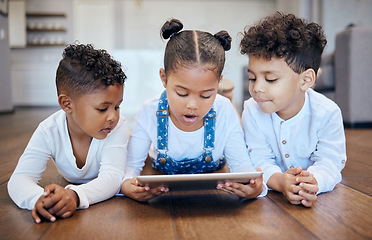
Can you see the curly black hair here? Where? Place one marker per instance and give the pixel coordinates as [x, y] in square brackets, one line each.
[298, 42]
[191, 47]
[84, 70]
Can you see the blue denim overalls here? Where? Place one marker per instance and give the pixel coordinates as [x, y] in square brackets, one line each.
[204, 163]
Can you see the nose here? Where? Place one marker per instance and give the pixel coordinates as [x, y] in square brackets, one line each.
[113, 115]
[258, 86]
[192, 103]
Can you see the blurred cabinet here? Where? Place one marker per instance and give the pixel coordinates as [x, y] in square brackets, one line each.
[17, 24]
[46, 28]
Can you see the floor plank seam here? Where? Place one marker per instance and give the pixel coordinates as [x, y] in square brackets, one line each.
[173, 216]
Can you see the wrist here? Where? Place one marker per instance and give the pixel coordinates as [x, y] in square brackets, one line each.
[275, 182]
[75, 197]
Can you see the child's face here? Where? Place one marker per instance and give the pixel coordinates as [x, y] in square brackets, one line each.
[96, 114]
[191, 93]
[276, 87]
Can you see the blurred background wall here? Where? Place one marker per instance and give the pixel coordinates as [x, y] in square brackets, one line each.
[130, 31]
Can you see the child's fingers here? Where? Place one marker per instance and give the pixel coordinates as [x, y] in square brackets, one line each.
[57, 207]
[242, 190]
[64, 212]
[35, 216]
[44, 213]
[294, 171]
[308, 195]
[51, 200]
[309, 187]
[295, 189]
[305, 173]
[309, 179]
[293, 198]
[231, 190]
[306, 203]
[50, 189]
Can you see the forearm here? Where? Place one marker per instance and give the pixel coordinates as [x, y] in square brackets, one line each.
[97, 190]
[275, 182]
[24, 191]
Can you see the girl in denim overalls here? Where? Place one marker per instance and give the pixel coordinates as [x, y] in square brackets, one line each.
[189, 128]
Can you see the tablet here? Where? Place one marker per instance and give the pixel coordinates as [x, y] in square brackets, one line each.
[204, 181]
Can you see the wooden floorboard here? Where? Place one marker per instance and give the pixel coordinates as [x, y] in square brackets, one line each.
[357, 173]
[344, 213]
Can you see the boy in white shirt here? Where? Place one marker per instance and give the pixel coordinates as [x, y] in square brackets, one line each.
[293, 133]
[86, 139]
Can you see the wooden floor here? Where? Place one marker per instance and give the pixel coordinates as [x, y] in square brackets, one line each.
[345, 213]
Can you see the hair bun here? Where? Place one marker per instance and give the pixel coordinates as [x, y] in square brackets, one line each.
[170, 27]
[224, 39]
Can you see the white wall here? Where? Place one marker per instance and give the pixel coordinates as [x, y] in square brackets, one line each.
[129, 30]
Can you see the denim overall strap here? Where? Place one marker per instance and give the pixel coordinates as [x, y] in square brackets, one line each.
[162, 128]
[209, 133]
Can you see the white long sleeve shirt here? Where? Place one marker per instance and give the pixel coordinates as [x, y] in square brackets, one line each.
[314, 139]
[99, 179]
[229, 139]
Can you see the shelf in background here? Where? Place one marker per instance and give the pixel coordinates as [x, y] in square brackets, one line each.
[45, 14]
[46, 45]
[46, 29]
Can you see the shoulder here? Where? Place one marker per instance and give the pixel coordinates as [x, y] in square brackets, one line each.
[320, 105]
[221, 102]
[150, 106]
[55, 121]
[224, 108]
[252, 109]
[146, 116]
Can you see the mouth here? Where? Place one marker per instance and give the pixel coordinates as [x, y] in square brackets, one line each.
[107, 130]
[260, 100]
[189, 118]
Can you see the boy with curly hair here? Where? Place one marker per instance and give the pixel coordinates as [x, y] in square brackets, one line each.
[86, 139]
[293, 133]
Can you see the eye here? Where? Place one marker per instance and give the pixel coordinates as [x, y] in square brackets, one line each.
[102, 109]
[271, 80]
[205, 97]
[252, 79]
[117, 107]
[181, 95]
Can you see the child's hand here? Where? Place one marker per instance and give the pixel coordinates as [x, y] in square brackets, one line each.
[309, 188]
[289, 185]
[251, 190]
[132, 189]
[40, 210]
[55, 202]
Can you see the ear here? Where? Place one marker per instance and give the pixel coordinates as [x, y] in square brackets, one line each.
[308, 79]
[219, 80]
[65, 103]
[163, 77]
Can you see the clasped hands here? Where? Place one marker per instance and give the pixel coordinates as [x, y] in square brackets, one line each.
[55, 202]
[298, 186]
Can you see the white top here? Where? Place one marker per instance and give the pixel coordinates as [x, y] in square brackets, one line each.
[99, 179]
[314, 139]
[229, 139]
